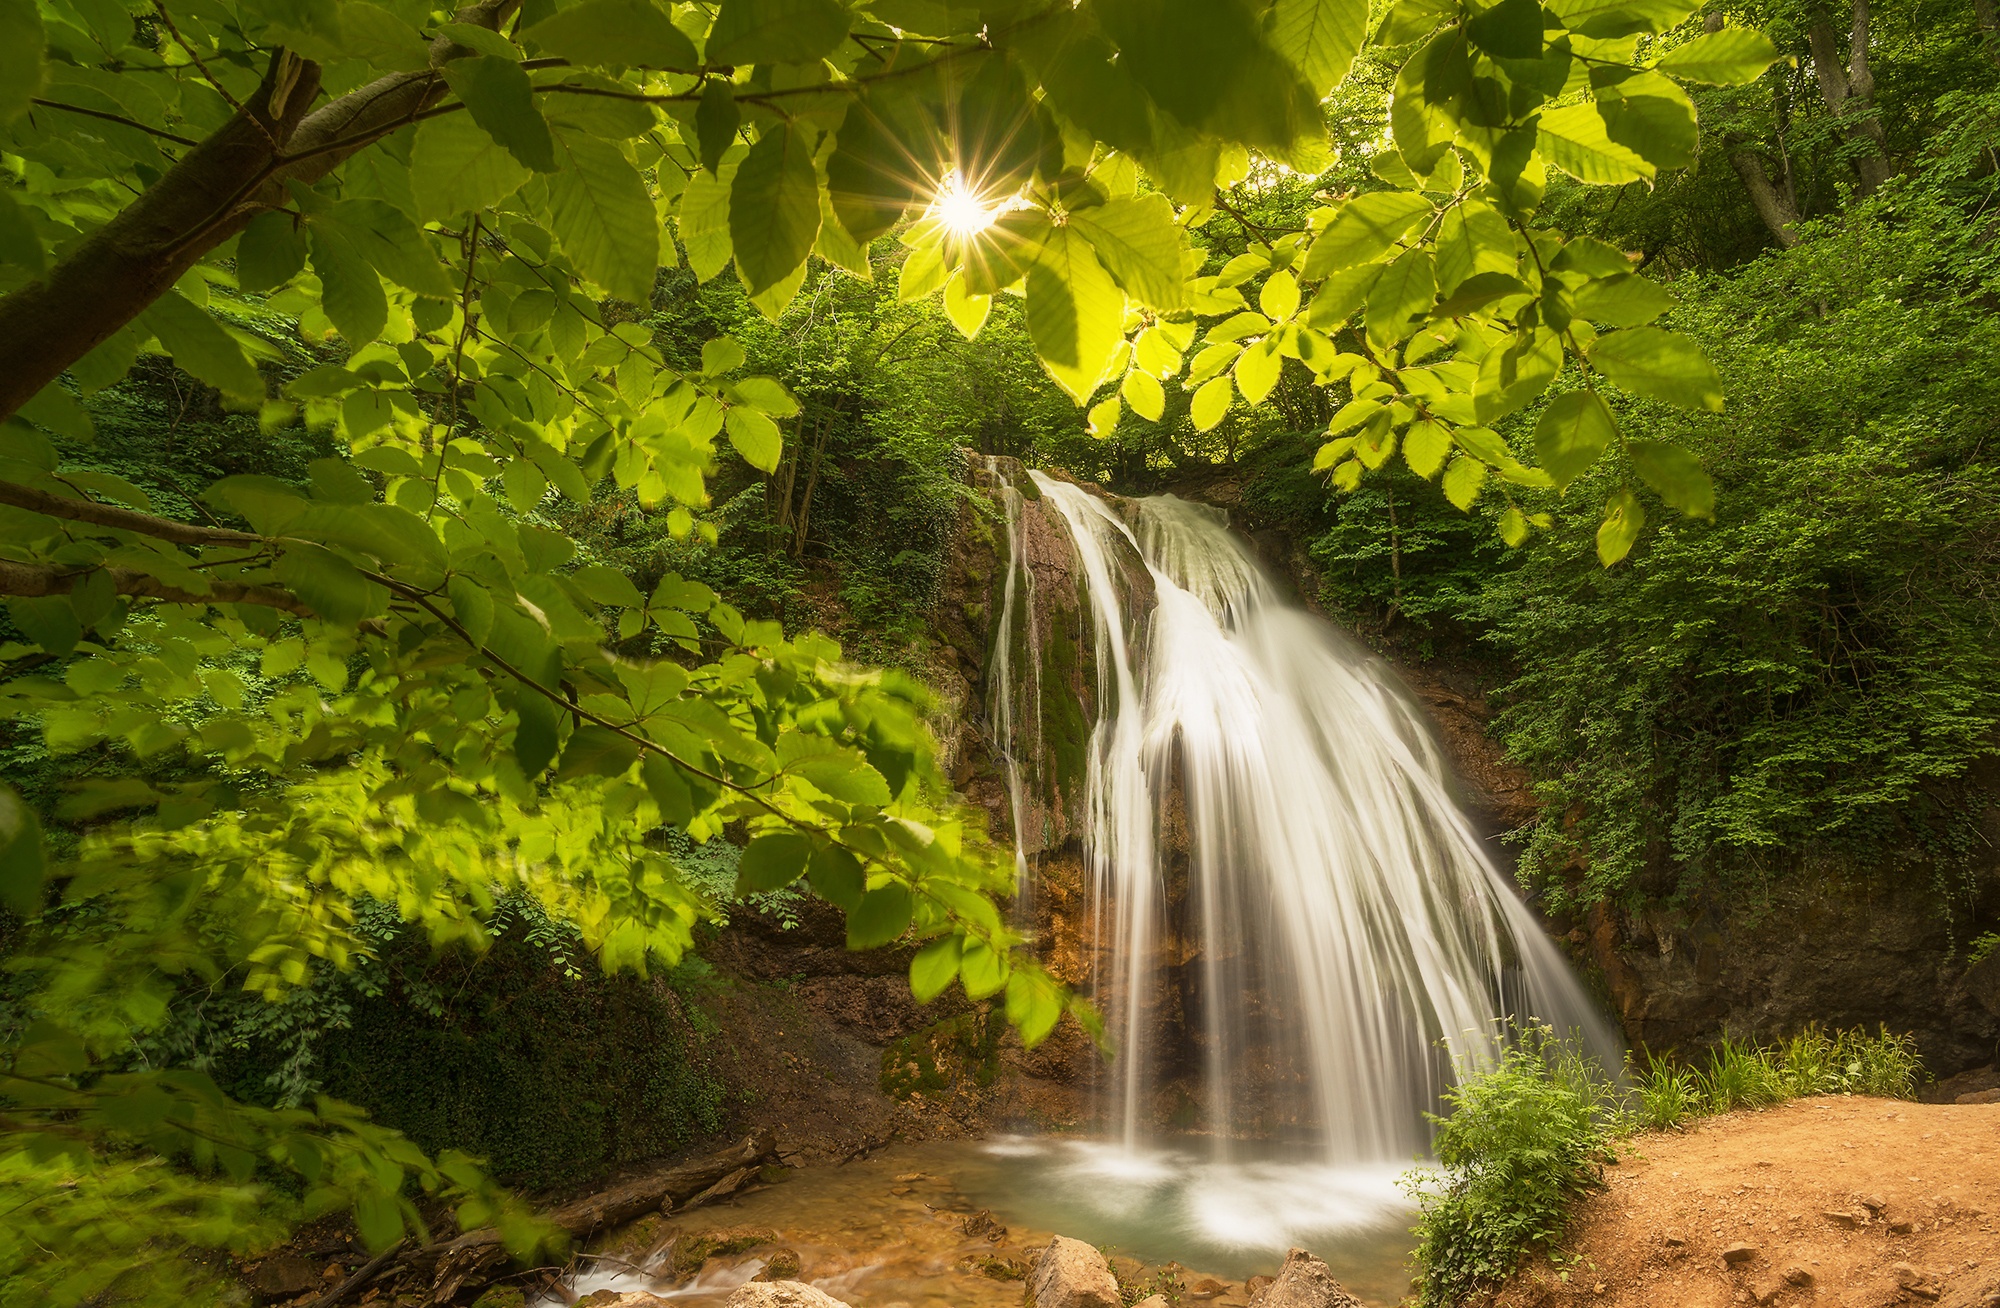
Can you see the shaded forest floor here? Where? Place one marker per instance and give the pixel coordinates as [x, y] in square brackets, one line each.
[1859, 1203]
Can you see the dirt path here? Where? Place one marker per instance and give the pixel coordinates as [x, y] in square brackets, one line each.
[1841, 1202]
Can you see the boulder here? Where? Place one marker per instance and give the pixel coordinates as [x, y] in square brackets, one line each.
[284, 1274]
[1304, 1282]
[629, 1299]
[1071, 1274]
[781, 1294]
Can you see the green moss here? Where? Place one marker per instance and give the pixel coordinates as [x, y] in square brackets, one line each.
[957, 1051]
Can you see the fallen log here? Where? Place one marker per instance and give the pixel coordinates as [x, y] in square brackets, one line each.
[463, 1263]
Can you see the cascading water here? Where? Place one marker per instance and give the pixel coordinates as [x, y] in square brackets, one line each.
[1340, 940]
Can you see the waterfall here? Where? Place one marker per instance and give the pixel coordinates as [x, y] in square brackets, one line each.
[1314, 937]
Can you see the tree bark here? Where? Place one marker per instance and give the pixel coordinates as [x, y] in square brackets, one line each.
[208, 196]
[1989, 27]
[1849, 91]
[1773, 205]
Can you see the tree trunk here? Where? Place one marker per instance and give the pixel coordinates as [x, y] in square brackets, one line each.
[1773, 205]
[1989, 27]
[208, 196]
[1849, 91]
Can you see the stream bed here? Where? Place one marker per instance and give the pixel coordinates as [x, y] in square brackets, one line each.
[956, 1224]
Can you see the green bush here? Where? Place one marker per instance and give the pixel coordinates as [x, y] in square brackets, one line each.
[1525, 1139]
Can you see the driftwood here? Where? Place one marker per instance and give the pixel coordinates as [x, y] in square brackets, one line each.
[466, 1262]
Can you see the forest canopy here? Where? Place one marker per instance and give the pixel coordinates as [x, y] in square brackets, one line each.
[408, 676]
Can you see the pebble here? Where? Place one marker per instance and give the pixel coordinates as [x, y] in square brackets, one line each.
[1739, 1253]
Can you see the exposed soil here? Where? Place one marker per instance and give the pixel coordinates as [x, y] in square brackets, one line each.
[1859, 1203]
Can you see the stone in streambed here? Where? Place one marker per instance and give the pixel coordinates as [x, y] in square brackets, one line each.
[781, 1294]
[1304, 1282]
[1071, 1274]
[780, 1266]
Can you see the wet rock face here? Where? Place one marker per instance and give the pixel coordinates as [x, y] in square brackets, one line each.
[1071, 1274]
[1812, 950]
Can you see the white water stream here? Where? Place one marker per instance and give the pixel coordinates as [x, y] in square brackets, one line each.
[1354, 942]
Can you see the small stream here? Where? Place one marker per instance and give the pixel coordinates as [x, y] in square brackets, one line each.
[901, 1228]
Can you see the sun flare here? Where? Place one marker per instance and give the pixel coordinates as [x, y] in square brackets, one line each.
[961, 210]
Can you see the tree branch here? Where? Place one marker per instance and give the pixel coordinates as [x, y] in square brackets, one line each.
[119, 519]
[28, 580]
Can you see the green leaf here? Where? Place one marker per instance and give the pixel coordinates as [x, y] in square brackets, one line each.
[330, 585]
[774, 207]
[882, 915]
[1076, 313]
[500, 98]
[716, 120]
[615, 33]
[704, 222]
[1623, 300]
[1320, 38]
[1138, 243]
[199, 345]
[870, 179]
[934, 968]
[1257, 369]
[1144, 393]
[536, 733]
[1462, 481]
[47, 620]
[1660, 365]
[1572, 432]
[1406, 290]
[1207, 64]
[1609, 19]
[1575, 139]
[1649, 113]
[456, 167]
[1478, 291]
[350, 292]
[1623, 517]
[755, 437]
[1340, 295]
[393, 245]
[1280, 297]
[966, 310]
[595, 751]
[599, 210]
[1424, 446]
[1365, 227]
[1211, 402]
[22, 41]
[1676, 474]
[270, 252]
[472, 606]
[773, 861]
[1103, 417]
[1511, 376]
[1511, 29]
[22, 866]
[776, 31]
[1034, 1004]
[1473, 239]
[53, 407]
[1730, 57]
[1514, 527]
[669, 789]
[837, 877]
[983, 969]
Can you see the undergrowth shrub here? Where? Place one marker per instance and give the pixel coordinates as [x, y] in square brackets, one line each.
[1530, 1134]
[1525, 1139]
